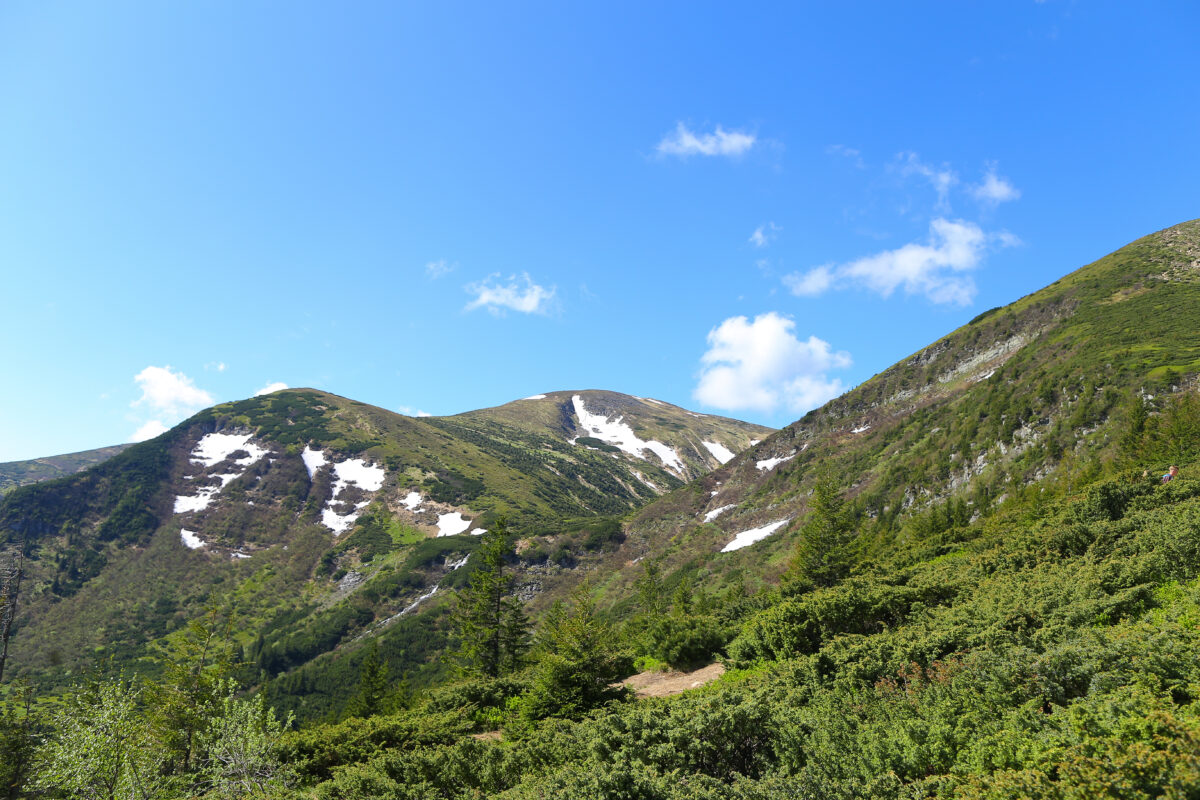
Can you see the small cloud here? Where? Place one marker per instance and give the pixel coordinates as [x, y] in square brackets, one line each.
[277, 386]
[995, 190]
[436, 269]
[942, 179]
[850, 153]
[764, 234]
[217, 366]
[684, 143]
[495, 297]
[812, 283]
[934, 268]
[763, 366]
[148, 431]
[170, 394]
[409, 411]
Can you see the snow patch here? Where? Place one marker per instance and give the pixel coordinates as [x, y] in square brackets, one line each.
[313, 460]
[719, 451]
[747, 538]
[460, 563]
[536, 397]
[716, 512]
[419, 600]
[645, 480]
[452, 523]
[360, 473]
[768, 464]
[357, 472]
[185, 504]
[190, 539]
[754, 442]
[620, 434]
[863, 429]
[479, 532]
[213, 448]
[239, 554]
[656, 402]
[411, 501]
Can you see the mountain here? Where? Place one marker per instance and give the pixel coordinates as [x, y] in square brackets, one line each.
[964, 578]
[319, 517]
[19, 473]
[1045, 387]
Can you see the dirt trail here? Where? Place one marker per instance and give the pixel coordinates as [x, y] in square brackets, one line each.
[663, 684]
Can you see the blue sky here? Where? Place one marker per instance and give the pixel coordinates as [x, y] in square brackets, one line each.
[435, 207]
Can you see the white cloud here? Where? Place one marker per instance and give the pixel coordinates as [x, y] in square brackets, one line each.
[148, 431]
[170, 394]
[436, 269]
[277, 386]
[219, 366]
[942, 179]
[995, 190]
[762, 366]
[684, 143]
[934, 268]
[409, 411]
[764, 234]
[495, 297]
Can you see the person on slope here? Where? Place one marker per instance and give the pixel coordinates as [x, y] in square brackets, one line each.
[1171, 473]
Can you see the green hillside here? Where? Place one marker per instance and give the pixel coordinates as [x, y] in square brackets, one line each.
[963, 579]
[1043, 388]
[19, 473]
[224, 509]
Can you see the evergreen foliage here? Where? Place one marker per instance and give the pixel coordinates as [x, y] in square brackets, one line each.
[491, 626]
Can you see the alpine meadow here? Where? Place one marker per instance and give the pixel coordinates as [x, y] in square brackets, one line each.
[543, 401]
[964, 578]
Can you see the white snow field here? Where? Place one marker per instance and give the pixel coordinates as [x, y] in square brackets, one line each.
[747, 538]
[536, 397]
[352, 471]
[190, 540]
[452, 523]
[719, 451]
[212, 449]
[412, 501]
[768, 464]
[313, 460]
[618, 433]
[716, 512]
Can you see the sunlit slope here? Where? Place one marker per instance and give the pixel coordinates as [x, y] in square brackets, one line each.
[320, 517]
[1036, 388]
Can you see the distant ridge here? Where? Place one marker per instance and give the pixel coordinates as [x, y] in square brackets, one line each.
[20, 473]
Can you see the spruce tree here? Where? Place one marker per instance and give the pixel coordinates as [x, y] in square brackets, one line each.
[372, 685]
[823, 556]
[492, 629]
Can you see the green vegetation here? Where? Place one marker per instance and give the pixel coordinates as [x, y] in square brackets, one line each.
[985, 592]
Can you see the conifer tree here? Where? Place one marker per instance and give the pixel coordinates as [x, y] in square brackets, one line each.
[823, 555]
[372, 685]
[492, 629]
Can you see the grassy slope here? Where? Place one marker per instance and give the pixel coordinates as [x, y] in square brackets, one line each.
[1036, 387]
[19, 473]
[107, 570]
